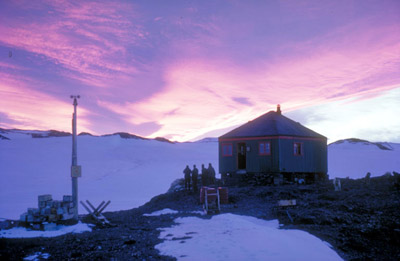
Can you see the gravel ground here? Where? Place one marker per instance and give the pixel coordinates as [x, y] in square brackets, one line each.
[361, 222]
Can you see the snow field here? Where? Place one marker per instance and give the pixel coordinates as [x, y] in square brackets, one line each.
[355, 160]
[130, 172]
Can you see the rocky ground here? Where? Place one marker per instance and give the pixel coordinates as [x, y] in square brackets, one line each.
[361, 222]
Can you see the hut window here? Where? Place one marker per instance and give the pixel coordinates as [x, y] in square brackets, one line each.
[227, 150]
[297, 149]
[264, 148]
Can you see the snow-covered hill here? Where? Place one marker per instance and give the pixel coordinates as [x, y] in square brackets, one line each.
[129, 170]
[353, 158]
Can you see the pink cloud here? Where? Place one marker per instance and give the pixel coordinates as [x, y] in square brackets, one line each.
[215, 68]
[203, 93]
[31, 109]
[85, 38]
[5, 65]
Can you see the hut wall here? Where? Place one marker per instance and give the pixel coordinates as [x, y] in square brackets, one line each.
[313, 158]
[227, 164]
[255, 162]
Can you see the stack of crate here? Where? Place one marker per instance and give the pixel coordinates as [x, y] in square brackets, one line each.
[49, 210]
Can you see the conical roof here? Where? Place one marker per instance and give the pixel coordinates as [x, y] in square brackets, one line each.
[271, 124]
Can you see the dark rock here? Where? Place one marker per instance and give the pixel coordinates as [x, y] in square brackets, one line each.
[85, 134]
[130, 242]
[164, 140]
[125, 135]
[76, 254]
[4, 137]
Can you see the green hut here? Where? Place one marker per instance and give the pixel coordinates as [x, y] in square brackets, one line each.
[273, 145]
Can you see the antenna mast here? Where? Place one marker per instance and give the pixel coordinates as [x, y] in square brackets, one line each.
[76, 171]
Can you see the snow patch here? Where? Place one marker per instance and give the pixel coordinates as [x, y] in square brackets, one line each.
[37, 256]
[164, 211]
[234, 237]
[20, 232]
[198, 212]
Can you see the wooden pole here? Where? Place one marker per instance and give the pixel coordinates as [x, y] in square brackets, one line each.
[88, 210]
[101, 210]
[101, 204]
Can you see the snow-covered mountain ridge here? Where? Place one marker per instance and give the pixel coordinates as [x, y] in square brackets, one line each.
[380, 145]
[55, 133]
[354, 158]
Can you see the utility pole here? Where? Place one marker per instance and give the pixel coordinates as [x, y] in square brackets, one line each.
[76, 170]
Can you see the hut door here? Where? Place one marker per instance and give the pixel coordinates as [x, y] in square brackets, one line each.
[241, 156]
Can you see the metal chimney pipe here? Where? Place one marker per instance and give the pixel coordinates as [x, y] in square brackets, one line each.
[278, 109]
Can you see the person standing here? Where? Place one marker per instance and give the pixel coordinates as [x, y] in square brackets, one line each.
[211, 173]
[187, 173]
[204, 176]
[195, 175]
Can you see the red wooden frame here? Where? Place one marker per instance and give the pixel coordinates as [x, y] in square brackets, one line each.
[269, 145]
[301, 148]
[223, 151]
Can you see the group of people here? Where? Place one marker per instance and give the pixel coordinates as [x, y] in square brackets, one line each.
[192, 176]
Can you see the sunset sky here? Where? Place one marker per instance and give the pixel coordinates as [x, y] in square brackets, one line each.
[190, 69]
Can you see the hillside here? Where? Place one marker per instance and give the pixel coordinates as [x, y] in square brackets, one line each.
[353, 158]
[117, 167]
[113, 168]
[361, 222]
